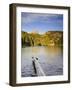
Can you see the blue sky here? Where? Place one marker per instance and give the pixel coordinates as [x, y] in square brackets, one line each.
[41, 22]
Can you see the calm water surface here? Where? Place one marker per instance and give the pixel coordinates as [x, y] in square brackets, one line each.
[50, 59]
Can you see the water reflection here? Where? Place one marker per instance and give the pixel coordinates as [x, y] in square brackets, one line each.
[50, 58]
[53, 51]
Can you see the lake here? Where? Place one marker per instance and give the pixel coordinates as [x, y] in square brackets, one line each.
[50, 59]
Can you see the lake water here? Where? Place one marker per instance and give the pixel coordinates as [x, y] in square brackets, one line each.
[50, 59]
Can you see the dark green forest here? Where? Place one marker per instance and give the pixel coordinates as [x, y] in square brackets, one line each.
[50, 38]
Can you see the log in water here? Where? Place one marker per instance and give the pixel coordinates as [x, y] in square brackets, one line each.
[37, 68]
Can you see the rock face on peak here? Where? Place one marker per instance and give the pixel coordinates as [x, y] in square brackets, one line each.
[50, 38]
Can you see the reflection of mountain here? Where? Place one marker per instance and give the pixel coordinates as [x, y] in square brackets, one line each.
[50, 38]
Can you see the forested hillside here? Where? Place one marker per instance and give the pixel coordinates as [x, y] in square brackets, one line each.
[50, 38]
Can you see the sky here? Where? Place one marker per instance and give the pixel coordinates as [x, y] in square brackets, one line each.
[41, 22]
